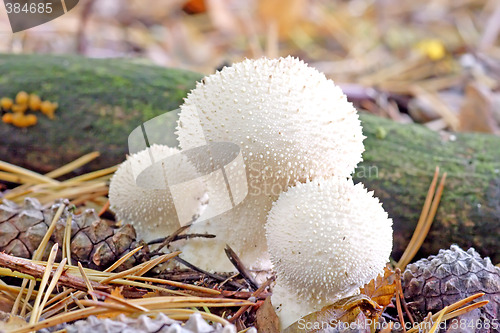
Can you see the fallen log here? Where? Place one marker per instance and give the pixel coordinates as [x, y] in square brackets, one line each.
[102, 101]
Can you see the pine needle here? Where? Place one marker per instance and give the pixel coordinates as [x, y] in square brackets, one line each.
[91, 175]
[35, 313]
[447, 313]
[438, 320]
[70, 167]
[120, 301]
[123, 259]
[51, 287]
[25, 172]
[155, 262]
[87, 281]
[66, 246]
[425, 221]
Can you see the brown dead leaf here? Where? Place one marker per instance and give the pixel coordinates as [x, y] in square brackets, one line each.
[266, 319]
[476, 114]
[382, 289]
[286, 14]
[355, 311]
[115, 293]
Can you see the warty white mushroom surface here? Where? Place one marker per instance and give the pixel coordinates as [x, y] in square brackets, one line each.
[326, 238]
[292, 125]
[291, 122]
[149, 205]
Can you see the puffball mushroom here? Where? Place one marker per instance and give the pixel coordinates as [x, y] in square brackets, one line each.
[326, 238]
[291, 122]
[292, 125]
[149, 205]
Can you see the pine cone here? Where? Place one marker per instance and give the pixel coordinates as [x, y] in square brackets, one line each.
[433, 283]
[93, 241]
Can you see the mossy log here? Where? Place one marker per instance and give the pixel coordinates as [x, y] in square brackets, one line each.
[399, 162]
[102, 101]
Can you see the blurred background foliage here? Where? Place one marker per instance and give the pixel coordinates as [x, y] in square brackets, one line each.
[433, 62]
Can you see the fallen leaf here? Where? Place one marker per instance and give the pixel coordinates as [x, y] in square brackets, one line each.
[286, 14]
[476, 114]
[381, 289]
[116, 292]
[266, 319]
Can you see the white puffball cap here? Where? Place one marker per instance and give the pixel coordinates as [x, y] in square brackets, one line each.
[150, 206]
[327, 238]
[291, 122]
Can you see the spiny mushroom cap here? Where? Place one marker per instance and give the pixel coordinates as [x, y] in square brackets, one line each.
[328, 237]
[291, 122]
[149, 208]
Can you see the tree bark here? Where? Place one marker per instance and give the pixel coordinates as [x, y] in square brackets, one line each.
[102, 101]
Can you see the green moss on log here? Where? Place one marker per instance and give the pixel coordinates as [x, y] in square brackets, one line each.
[102, 101]
[399, 167]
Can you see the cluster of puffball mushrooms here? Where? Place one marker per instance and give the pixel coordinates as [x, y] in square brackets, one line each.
[303, 217]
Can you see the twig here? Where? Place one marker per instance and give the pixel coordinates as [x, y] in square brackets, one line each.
[80, 36]
[180, 237]
[245, 273]
[213, 276]
[37, 271]
[254, 294]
